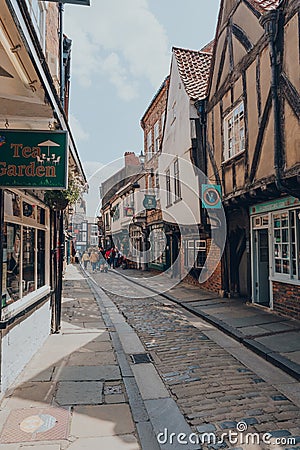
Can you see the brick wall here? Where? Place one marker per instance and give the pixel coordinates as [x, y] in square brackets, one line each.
[20, 344]
[286, 299]
[214, 282]
[52, 42]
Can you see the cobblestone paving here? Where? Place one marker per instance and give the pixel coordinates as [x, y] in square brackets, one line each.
[213, 389]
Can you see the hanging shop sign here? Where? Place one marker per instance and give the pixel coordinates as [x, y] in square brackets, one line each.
[274, 205]
[211, 196]
[33, 159]
[149, 202]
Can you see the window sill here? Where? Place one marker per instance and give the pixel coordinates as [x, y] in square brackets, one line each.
[285, 280]
[20, 307]
[169, 205]
[232, 158]
[177, 200]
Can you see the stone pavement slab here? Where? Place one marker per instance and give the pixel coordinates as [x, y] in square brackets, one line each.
[79, 393]
[166, 419]
[282, 343]
[90, 373]
[127, 442]
[91, 358]
[149, 382]
[104, 420]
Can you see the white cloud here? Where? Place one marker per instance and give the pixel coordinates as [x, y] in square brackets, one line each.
[119, 40]
[77, 129]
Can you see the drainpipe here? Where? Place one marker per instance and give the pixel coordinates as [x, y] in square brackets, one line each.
[199, 146]
[271, 22]
[201, 110]
[61, 53]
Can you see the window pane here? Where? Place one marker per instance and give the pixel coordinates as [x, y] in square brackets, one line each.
[41, 258]
[11, 262]
[12, 204]
[28, 210]
[41, 215]
[28, 260]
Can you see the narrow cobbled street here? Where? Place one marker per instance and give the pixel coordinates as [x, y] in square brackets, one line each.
[208, 373]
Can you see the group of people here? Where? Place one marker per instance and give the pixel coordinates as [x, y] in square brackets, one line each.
[101, 259]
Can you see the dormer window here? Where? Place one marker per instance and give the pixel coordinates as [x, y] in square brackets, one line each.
[234, 132]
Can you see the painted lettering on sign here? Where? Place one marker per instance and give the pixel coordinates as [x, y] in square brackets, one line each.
[33, 159]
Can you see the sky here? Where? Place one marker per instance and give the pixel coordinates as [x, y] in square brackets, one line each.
[121, 54]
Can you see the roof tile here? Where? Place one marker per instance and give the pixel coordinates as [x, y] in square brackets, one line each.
[264, 5]
[194, 69]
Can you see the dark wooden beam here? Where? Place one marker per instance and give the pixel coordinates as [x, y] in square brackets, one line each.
[246, 131]
[290, 93]
[258, 88]
[242, 37]
[221, 66]
[260, 136]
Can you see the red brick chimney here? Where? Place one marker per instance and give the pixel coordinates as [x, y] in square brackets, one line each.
[131, 159]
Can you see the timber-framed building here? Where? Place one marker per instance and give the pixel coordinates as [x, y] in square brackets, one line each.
[253, 148]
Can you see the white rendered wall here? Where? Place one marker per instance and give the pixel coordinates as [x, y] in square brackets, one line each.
[21, 343]
[177, 143]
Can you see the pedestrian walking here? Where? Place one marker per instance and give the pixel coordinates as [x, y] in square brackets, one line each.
[108, 257]
[85, 259]
[94, 260]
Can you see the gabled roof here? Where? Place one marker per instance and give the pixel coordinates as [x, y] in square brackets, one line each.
[263, 6]
[164, 84]
[194, 69]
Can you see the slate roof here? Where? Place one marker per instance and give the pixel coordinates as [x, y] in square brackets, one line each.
[194, 69]
[263, 6]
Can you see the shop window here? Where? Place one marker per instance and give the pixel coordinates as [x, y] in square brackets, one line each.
[40, 215]
[12, 204]
[158, 243]
[24, 248]
[28, 260]
[234, 130]
[28, 210]
[11, 263]
[286, 244]
[41, 257]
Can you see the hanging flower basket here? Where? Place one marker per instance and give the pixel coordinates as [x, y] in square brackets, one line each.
[56, 200]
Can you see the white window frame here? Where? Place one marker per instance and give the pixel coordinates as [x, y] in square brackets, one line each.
[29, 222]
[177, 184]
[149, 145]
[194, 246]
[277, 247]
[234, 132]
[168, 188]
[156, 137]
[40, 21]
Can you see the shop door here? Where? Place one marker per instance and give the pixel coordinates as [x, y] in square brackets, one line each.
[262, 285]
